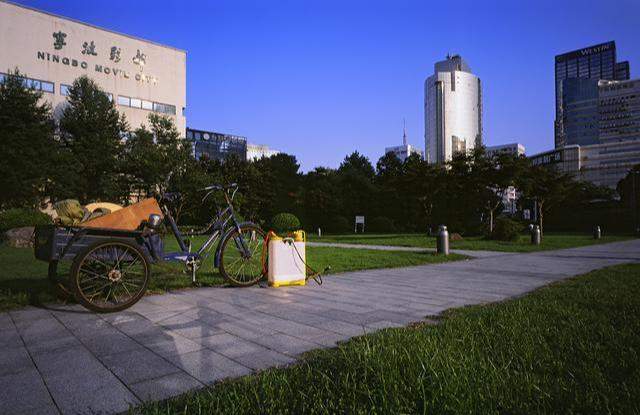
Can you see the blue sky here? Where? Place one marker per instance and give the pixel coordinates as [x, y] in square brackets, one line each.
[320, 79]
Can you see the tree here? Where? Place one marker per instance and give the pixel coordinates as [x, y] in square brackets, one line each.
[547, 187]
[91, 133]
[26, 143]
[629, 190]
[153, 155]
[356, 182]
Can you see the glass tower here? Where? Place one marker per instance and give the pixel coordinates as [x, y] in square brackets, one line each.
[594, 62]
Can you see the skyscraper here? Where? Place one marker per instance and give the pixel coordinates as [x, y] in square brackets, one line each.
[452, 110]
[595, 63]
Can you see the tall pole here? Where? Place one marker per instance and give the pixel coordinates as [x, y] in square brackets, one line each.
[635, 200]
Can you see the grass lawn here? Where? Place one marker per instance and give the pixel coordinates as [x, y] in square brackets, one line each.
[550, 241]
[23, 279]
[571, 347]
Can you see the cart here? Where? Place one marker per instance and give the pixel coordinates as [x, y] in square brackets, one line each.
[108, 269]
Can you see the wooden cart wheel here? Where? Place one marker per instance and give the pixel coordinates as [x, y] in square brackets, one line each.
[110, 276]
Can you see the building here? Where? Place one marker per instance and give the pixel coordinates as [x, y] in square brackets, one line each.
[601, 164]
[405, 150]
[258, 151]
[575, 74]
[510, 196]
[52, 51]
[511, 148]
[216, 146]
[605, 126]
[452, 110]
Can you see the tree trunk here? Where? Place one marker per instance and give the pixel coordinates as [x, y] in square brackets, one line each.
[540, 204]
[491, 221]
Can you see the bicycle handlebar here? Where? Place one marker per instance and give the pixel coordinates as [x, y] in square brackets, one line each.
[220, 187]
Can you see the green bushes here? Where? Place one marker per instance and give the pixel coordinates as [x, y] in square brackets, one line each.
[19, 217]
[285, 222]
[381, 224]
[506, 229]
[337, 224]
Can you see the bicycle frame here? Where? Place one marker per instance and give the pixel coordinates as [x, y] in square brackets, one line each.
[218, 227]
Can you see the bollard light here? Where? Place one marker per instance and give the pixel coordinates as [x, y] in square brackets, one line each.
[597, 232]
[535, 235]
[442, 242]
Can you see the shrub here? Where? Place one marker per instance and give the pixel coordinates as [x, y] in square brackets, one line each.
[506, 229]
[285, 222]
[19, 217]
[380, 224]
[337, 224]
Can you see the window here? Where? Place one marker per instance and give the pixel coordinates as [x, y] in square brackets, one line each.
[164, 108]
[125, 101]
[109, 96]
[47, 86]
[64, 90]
[147, 105]
[190, 134]
[136, 103]
[32, 84]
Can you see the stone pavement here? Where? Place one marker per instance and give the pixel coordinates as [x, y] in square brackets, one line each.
[67, 360]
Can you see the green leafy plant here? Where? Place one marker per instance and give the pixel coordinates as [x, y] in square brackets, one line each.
[19, 217]
[285, 222]
[381, 224]
[506, 230]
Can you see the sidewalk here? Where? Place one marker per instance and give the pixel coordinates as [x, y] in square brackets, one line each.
[67, 360]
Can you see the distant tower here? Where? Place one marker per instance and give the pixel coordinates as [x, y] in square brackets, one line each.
[452, 110]
[404, 132]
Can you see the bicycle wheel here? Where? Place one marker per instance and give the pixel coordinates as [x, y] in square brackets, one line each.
[110, 276]
[237, 268]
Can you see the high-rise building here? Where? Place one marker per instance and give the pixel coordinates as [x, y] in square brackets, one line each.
[607, 124]
[575, 98]
[405, 150]
[452, 110]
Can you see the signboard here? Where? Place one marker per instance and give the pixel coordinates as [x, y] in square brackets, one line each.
[359, 221]
[66, 55]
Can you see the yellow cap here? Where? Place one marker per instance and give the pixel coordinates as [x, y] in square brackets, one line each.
[300, 236]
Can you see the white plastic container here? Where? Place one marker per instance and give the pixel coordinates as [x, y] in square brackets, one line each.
[285, 264]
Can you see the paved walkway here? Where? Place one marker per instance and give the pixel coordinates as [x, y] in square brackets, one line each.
[467, 252]
[72, 361]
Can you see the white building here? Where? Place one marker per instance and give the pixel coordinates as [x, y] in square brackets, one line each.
[452, 110]
[510, 196]
[511, 148]
[258, 151]
[405, 150]
[51, 51]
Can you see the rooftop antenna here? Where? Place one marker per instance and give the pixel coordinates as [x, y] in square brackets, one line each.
[404, 132]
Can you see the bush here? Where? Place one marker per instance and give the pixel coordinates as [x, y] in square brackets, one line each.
[506, 229]
[19, 217]
[337, 224]
[285, 222]
[380, 224]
